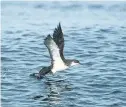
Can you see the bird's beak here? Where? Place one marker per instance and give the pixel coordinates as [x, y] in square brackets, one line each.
[80, 64]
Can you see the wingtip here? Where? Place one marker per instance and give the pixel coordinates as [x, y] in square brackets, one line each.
[48, 36]
[59, 26]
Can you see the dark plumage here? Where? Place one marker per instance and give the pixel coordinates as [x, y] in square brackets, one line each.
[55, 47]
[59, 39]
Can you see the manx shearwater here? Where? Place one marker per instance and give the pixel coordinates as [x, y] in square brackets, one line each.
[55, 46]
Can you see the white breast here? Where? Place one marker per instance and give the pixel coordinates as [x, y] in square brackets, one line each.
[58, 65]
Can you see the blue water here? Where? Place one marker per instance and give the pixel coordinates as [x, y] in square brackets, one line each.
[95, 34]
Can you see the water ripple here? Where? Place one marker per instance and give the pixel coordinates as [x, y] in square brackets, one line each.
[94, 33]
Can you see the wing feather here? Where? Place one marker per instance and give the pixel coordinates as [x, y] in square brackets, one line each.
[59, 39]
[53, 49]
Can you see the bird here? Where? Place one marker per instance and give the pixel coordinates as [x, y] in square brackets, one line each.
[55, 46]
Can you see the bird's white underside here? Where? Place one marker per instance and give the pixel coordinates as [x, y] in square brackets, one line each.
[58, 64]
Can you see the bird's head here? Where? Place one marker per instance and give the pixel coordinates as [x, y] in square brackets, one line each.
[75, 62]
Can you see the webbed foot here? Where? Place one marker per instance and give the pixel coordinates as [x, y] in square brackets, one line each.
[36, 75]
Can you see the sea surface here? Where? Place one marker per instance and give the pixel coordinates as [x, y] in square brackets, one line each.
[94, 33]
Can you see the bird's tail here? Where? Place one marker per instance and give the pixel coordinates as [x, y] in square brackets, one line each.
[36, 75]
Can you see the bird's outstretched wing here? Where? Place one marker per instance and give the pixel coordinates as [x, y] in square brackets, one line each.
[53, 49]
[59, 39]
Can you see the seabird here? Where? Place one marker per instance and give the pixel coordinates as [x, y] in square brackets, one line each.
[55, 46]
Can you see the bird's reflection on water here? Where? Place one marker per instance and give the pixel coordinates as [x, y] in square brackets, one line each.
[54, 88]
